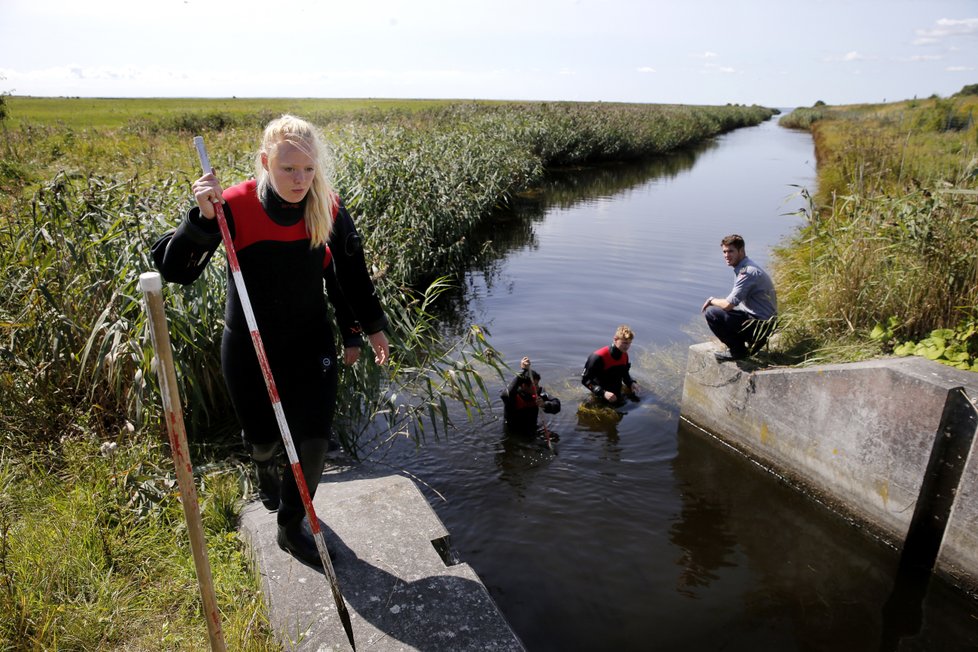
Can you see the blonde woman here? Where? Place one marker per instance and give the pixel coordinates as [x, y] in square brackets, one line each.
[292, 234]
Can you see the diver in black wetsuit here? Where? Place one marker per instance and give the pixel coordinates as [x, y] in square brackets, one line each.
[523, 399]
[607, 370]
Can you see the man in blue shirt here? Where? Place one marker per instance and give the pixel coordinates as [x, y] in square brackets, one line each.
[744, 320]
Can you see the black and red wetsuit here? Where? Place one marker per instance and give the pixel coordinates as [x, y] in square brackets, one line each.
[520, 410]
[606, 370]
[285, 279]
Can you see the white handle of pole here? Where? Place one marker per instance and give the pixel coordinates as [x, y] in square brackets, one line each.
[150, 282]
[205, 161]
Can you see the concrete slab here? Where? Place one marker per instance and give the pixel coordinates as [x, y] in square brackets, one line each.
[859, 436]
[403, 587]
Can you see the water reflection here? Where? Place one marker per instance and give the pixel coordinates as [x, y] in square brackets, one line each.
[810, 589]
[566, 188]
[518, 455]
[903, 611]
[513, 228]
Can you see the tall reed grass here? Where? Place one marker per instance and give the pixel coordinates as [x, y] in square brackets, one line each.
[892, 234]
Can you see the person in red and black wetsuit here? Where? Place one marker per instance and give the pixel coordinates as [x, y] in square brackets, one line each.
[607, 369]
[293, 236]
[523, 399]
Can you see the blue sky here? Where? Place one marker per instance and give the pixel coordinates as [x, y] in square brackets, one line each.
[690, 51]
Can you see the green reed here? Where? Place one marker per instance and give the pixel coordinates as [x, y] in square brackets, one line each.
[892, 234]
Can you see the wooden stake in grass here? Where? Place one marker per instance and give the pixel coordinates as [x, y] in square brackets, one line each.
[152, 286]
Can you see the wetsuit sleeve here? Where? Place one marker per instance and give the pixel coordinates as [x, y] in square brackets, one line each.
[352, 275]
[627, 376]
[592, 368]
[514, 385]
[182, 254]
[350, 328]
[508, 397]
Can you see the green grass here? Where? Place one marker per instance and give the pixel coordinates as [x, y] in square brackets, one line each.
[94, 555]
[112, 113]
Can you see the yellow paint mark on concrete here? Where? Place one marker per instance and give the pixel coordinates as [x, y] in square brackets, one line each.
[883, 489]
[765, 434]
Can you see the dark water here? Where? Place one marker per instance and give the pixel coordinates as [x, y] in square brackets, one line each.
[640, 533]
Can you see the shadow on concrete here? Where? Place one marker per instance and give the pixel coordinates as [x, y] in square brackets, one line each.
[395, 568]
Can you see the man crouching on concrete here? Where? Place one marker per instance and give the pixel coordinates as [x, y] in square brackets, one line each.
[744, 320]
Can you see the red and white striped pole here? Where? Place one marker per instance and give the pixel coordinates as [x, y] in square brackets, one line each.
[276, 401]
[152, 287]
[536, 392]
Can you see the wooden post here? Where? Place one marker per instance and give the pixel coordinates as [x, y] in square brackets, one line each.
[152, 287]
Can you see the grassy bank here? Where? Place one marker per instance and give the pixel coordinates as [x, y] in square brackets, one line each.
[87, 186]
[888, 261]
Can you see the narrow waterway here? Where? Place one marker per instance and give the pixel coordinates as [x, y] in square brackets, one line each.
[638, 533]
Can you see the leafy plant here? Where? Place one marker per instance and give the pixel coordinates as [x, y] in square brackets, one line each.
[957, 347]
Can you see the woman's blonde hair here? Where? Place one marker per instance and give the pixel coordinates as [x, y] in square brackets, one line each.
[321, 201]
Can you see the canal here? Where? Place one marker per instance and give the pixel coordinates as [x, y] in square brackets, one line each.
[638, 532]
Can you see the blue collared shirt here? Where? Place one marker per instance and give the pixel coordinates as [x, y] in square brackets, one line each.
[753, 291]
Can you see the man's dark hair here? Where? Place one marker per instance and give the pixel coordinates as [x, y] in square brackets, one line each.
[734, 241]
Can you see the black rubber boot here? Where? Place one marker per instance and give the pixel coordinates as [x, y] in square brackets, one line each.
[269, 483]
[297, 540]
[294, 533]
[334, 450]
[269, 468]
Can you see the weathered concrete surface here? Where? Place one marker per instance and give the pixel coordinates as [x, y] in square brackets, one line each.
[859, 436]
[399, 591]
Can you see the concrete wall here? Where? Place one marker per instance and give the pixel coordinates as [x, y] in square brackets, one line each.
[859, 436]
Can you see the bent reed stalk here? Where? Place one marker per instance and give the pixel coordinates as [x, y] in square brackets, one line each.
[80, 446]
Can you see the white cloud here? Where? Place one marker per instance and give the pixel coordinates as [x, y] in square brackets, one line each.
[133, 81]
[645, 69]
[712, 67]
[945, 28]
[959, 68]
[852, 55]
[705, 55]
[75, 73]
